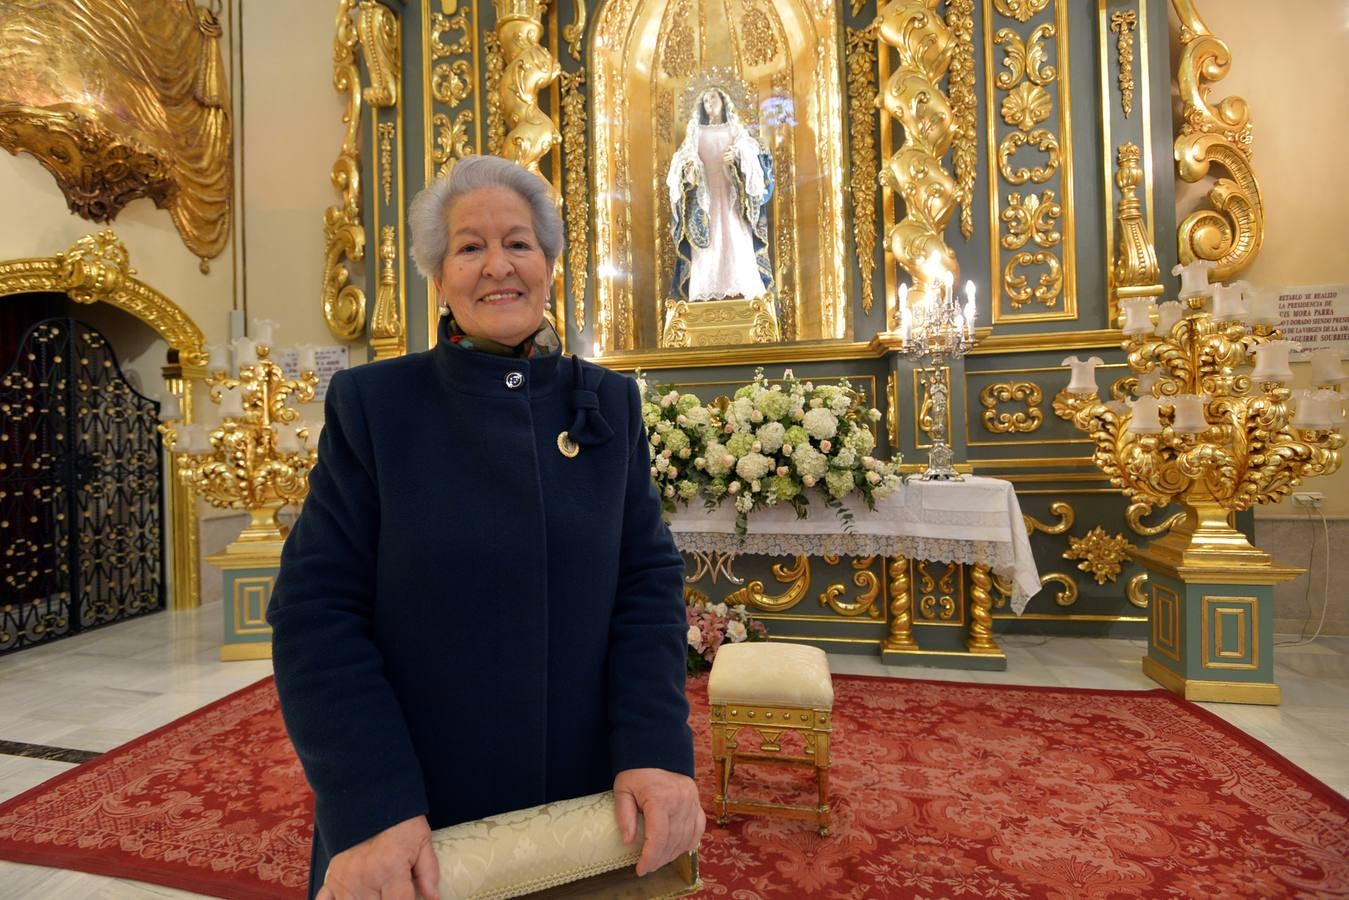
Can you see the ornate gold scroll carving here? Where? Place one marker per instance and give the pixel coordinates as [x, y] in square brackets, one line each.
[343, 234]
[1061, 509]
[529, 68]
[377, 34]
[119, 100]
[387, 336]
[386, 131]
[1123, 24]
[913, 95]
[1135, 268]
[452, 82]
[1068, 591]
[1231, 233]
[496, 119]
[865, 602]
[965, 154]
[575, 33]
[1020, 422]
[796, 576]
[1135, 591]
[1021, 10]
[862, 123]
[1134, 516]
[576, 207]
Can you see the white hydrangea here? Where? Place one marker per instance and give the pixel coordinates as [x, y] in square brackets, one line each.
[820, 423]
[736, 631]
[770, 436]
[845, 458]
[744, 503]
[753, 466]
[809, 462]
[839, 403]
[716, 459]
[860, 441]
[698, 417]
[740, 413]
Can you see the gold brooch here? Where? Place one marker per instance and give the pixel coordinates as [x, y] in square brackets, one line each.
[567, 446]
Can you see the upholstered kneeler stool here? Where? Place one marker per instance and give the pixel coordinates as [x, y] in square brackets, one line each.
[770, 688]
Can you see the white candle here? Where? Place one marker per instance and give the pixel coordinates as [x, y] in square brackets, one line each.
[1168, 314]
[1326, 367]
[1083, 380]
[1271, 361]
[262, 330]
[1190, 418]
[1227, 303]
[308, 357]
[1194, 278]
[1147, 381]
[286, 440]
[1145, 419]
[1309, 413]
[970, 308]
[1262, 305]
[1332, 407]
[245, 352]
[905, 313]
[171, 408]
[200, 440]
[231, 403]
[220, 358]
[1138, 316]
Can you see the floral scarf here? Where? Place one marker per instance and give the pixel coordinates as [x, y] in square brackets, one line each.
[543, 342]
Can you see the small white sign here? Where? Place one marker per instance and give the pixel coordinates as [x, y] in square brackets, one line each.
[1316, 316]
[326, 359]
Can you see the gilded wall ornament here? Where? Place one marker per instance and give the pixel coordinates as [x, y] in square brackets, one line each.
[1028, 59]
[1068, 591]
[1135, 272]
[451, 139]
[757, 37]
[1031, 217]
[343, 233]
[1042, 140]
[1026, 106]
[575, 33]
[1021, 10]
[496, 119]
[1059, 508]
[1021, 422]
[1136, 592]
[378, 31]
[900, 639]
[964, 150]
[1123, 23]
[862, 125]
[1017, 285]
[576, 207]
[529, 69]
[864, 604]
[1231, 233]
[386, 131]
[114, 115]
[1101, 554]
[387, 336]
[796, 575]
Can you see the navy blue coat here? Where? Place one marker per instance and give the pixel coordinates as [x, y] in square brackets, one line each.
[466, 621]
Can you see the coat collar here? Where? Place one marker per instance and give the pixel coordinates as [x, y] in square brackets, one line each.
[487, 375]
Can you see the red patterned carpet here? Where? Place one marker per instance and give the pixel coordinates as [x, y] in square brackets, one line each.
[940, 790]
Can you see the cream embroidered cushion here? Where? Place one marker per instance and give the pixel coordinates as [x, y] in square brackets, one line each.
[771, 674]
[528, 850]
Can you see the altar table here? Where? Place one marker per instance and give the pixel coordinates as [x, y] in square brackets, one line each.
[977, 522]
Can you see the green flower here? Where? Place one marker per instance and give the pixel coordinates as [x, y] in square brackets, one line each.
[785, 487]
[687, 489]
[650, 414]
[715, 488]
[860, 441]
[744, 393]
[839, 482]
[687, 402]
[796, 436]
[773, 404]
[676, 441]
[740, 443]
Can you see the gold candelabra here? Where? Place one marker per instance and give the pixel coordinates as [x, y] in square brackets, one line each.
[256, 458]
[1201, 430]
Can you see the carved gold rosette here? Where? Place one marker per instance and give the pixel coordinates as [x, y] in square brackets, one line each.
[914, 97]
[1030, 180]
[1229, 234]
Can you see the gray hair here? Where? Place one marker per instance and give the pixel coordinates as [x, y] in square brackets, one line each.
[428, 216]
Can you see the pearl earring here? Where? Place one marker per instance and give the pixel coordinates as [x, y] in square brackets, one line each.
[444, 309]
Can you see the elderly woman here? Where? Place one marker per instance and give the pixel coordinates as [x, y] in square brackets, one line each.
[480, 609]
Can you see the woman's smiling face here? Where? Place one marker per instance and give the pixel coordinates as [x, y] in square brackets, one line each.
[494, 277]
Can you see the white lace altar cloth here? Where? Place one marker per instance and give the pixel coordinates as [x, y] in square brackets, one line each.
[977, 520]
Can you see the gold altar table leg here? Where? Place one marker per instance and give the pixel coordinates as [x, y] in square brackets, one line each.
[900, 639]
[981, 618]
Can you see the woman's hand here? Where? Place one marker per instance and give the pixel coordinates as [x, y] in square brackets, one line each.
[668, 802]
[396, 864]
[729, 157]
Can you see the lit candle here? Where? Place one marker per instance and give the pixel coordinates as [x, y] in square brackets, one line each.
[1138, 316]
[308, 357]
[1190, 418]
[262, 330]
[286, 440]
[1084, 374]
[1194, 278]
[970, 308]
[220, 357]
[905, 313]
[170, 408]
[1168, 314]
[231, 403]
[1263, 306]
[1227, 303]
[245, 351]
[1271, 361]
[1326, 367]
[1145, 419]
[949, 282]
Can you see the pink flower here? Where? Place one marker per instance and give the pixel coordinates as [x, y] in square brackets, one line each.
[825, 446]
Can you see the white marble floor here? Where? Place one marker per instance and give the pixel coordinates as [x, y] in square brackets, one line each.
[101, 689]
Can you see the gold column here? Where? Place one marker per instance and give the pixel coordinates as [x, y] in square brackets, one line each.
[184, 526]
[981, 618]
[900, 639]
[529, 68]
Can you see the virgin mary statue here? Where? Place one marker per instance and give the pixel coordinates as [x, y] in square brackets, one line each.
[720, 181]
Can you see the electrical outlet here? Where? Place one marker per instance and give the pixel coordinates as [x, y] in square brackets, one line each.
[1312, 499]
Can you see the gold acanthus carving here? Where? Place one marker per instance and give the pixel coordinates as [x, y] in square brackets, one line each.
[865, 602]
[1068, 591]
[119, 99]
[1031, 217]
[1026, 106]
[452, 139]
[862, 124]
[496, 120]
[1136, 273]
[1042, 140]
[1134, 516]
[1135, 591]
[913, 95]
[387, 337]
[1123, 23]
[1027, 59]
[941, 607]
[796, 575]
[97, 269]
[1101, 553]
[377, 30]
[576, 207]
[529, 68]
[1231, 233]
[1017, 286]
[574, 34]
[1020, 422]
[964, 150]
[1061, 509]
[1021, 10]
[900, 639]
[343, 233]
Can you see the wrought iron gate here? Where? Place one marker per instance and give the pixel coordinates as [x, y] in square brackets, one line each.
[81, 496]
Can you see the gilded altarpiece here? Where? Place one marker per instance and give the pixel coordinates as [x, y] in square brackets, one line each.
[990, 133]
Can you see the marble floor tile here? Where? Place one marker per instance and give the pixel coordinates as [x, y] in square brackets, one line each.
[100, 689]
